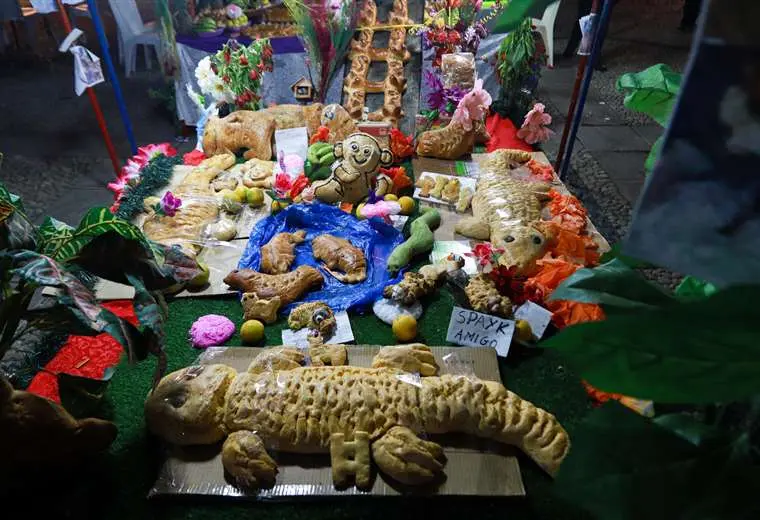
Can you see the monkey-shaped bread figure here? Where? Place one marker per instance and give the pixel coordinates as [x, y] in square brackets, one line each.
[360, 158]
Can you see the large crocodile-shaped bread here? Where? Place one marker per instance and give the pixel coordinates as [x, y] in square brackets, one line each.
[507, 211]
[345, 411]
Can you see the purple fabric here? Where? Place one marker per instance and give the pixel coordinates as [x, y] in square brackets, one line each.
[284, 45]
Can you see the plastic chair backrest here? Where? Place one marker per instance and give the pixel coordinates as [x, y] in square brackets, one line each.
[550, 13]
[127, 16]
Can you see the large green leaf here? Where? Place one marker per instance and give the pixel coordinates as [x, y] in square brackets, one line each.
[652, 91]
[692, 288]
[515, 11]
[151, 315]
[615, 252]
[623, 466]
[692, 352]
[41, 270]
[83, 396]
[612, 284]
[653, 154]
[6, 210]
[52, 233]
[63, 244]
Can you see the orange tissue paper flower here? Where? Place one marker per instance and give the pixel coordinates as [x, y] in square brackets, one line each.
[399, 178]
[566, 313]
[320, 136]
[568, 211]
[541, 171]
[401, 145]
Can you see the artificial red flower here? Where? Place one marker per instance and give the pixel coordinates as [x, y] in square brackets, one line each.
[253, 75]
[485, 253]
[243, 60]
[320, 136]
[298, 186]
[193, 158]
[151, 151]
[282, 184]
[401, 145]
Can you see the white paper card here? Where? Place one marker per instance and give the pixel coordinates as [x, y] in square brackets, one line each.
[443, 248]
[45, 6]
[399, 221]
[292, 141]
[537, 317]
[475, 329]
[343, 333]
[464, 182]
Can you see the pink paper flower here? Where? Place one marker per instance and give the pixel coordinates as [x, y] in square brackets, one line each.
[533, 129]
[473, 106]
[152, 151]
[169, 204]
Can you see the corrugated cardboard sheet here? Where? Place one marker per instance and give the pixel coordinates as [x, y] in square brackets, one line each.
[474, 467]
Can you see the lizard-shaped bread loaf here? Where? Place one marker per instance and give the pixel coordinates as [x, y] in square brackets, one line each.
[319, 409]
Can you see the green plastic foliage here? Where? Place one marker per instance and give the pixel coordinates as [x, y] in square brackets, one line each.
[652, 91]
[612, 284]
[623, 466]
[691, 352]
[515, 11]
[63, 243]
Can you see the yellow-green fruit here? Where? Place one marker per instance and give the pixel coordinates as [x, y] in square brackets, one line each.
[241, 193]
[359, 211]
[523, 332]
[252, 331]
[391, 197]
[407, 205]
[405, 328]
[202, 279]
[276, 206]
[255, 197]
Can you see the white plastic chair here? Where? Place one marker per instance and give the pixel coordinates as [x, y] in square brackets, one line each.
[133, 32]
[545, 27]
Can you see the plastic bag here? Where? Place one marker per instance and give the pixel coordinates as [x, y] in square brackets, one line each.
[375, 238]
[458, 70]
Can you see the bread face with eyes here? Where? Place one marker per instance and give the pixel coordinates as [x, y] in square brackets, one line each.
[360, 158]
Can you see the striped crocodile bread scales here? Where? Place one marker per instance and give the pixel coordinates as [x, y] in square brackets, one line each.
[473, 466]
[362, 54]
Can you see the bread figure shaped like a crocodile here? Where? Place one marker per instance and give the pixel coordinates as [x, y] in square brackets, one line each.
[355, 414]
[507, 212]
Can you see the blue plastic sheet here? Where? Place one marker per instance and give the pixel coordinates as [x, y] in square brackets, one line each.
[374, 237]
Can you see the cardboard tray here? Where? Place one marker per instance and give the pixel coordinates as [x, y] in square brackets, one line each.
[474, 467]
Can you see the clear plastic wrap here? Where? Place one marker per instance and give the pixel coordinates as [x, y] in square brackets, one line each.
[458, 70]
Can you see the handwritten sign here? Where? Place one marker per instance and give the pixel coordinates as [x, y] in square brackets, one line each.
[475, 329]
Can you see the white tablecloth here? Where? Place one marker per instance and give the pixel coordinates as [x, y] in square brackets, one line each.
[275, 87]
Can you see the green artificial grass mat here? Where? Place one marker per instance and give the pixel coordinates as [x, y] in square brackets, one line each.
[116, 484]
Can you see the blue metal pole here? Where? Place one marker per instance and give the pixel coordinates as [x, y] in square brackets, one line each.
[595, 51]
[93, 7]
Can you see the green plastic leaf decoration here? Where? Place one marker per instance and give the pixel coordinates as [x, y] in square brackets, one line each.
[83, 396]
[515, 11]
[63, 244]
[612, 284]
[654, 154]
[6, 210]
[623, 466]
[688, 428]
[652, 91]
[52, 233]
[41, 270]
[692, 288]
[693, 352]
[615, 252]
